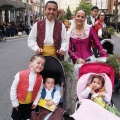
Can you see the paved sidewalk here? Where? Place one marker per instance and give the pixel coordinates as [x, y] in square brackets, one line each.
[117, 34]
[22, 36]
[15, 37]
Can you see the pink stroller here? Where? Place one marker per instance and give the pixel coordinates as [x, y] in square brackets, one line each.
[89, 110]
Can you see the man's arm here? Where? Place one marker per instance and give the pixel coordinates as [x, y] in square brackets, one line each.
[63, 41]
[32, 38]
[63, 37]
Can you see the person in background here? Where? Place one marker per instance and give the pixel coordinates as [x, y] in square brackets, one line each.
[27, 28]
[48, 36]
[91, 19]
[100, 26]
[26, 89]
[67, 24]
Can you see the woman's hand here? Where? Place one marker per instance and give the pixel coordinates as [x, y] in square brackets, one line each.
[81, 61]
[105, 50]
[49, 103]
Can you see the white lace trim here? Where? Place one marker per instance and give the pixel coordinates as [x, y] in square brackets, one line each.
[83, 35]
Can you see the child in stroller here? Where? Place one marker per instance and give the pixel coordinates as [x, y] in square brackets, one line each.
[95, 90]
[50, 98]
[54, 78]
[88, 109]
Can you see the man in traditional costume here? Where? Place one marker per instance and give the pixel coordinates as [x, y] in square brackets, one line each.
[91, 19]
[48, 36]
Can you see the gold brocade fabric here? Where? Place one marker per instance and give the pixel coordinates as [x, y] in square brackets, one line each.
[28, 98]
[49, 51]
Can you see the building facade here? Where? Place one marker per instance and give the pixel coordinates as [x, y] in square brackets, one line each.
[14, 10]
[71, 3]
[20, 10]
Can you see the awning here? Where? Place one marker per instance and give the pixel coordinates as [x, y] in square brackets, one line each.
[16, 4]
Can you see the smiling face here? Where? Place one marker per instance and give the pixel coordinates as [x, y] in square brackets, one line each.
[97, 83]
[102, 16]
[49, 83]
[51, 11]
[37, 64]
[80, 18]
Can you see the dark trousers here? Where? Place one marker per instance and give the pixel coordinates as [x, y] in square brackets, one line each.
[95, 51]
[23, 113]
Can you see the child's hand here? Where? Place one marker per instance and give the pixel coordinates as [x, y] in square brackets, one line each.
[101, 94]
[16, 108]
[49, 103]
[91, 86]
[33, 106]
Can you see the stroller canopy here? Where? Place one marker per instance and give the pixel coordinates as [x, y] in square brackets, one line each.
[86, 79]
[53, 68]
[97, 68]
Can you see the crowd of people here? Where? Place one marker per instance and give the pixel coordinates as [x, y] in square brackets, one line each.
[48, 37]
[9, 29]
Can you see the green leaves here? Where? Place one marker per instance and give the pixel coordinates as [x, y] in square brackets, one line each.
[68, 67]
[68, 14]
[110, 30]
[114, 61]
[85, 6]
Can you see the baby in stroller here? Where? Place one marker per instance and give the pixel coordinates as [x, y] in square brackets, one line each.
[50, 98]
[91, 74]
[95, 91]
[48, 106]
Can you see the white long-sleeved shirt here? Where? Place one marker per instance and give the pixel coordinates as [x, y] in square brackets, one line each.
[92, 19]
[13, 91]
[48, 36]
[56, 97]
[87, 91]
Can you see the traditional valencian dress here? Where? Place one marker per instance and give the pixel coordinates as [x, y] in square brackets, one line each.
[50, 36]
[79, 47]
[25, 91]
